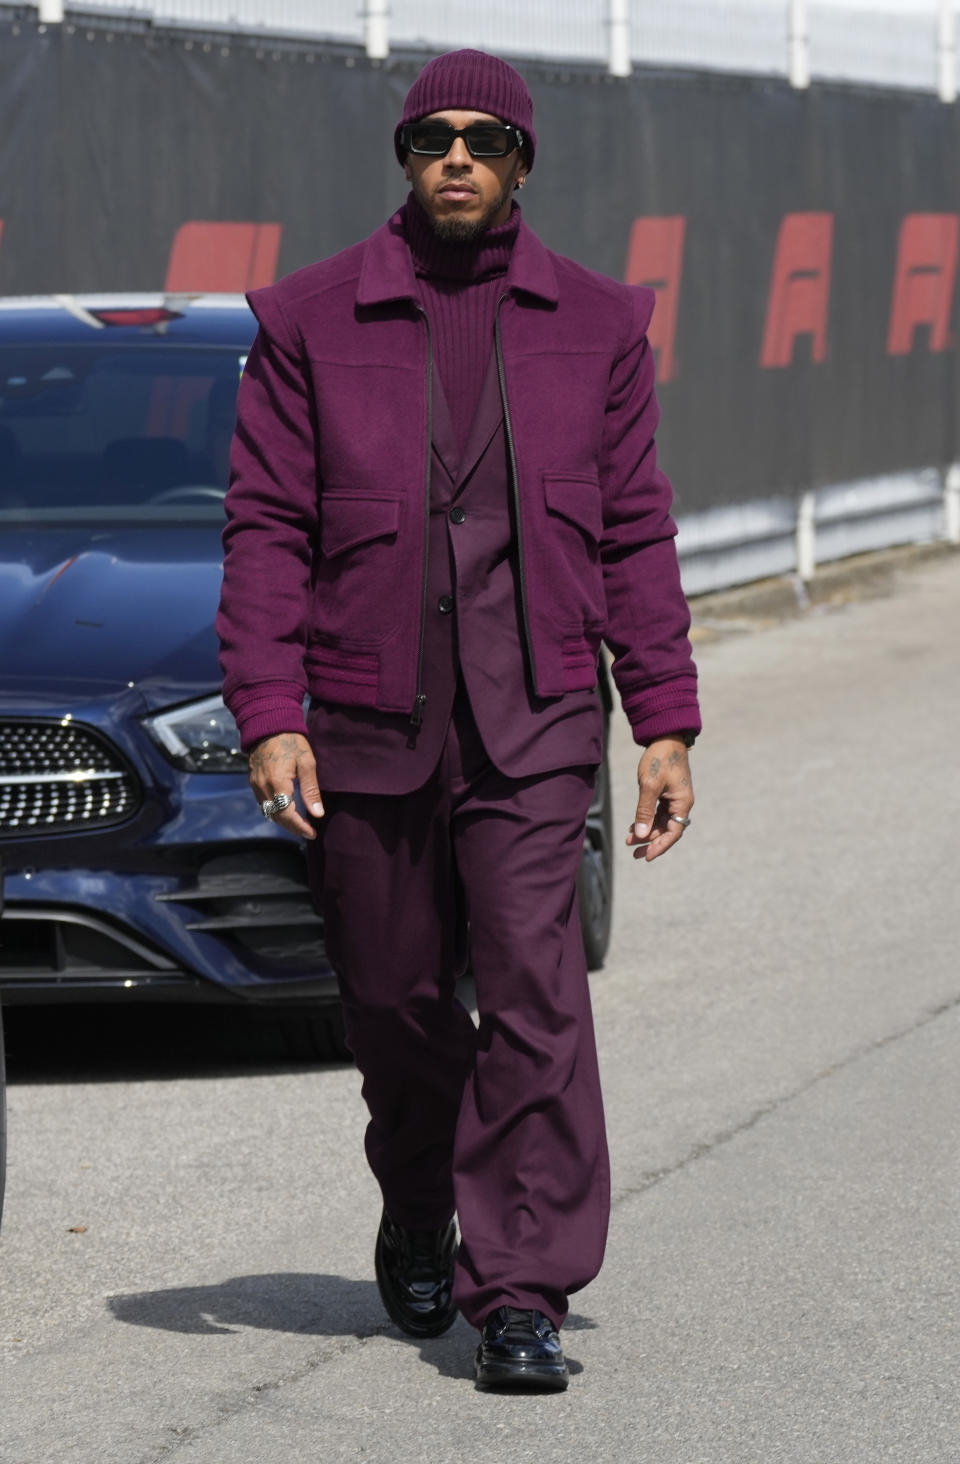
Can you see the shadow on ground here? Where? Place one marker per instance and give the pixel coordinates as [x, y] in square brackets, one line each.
[305, 1303]
[106, 1043]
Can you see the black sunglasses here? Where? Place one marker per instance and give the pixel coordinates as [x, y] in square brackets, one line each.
[483, 139]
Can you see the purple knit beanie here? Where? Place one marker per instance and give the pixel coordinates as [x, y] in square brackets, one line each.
[470, 81]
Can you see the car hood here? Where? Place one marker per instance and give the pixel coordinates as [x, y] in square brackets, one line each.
[96, 612]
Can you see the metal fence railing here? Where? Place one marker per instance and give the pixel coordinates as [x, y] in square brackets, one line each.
[865, 41]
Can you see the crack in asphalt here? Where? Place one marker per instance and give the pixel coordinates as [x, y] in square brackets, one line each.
[230, 1407]
[652, 1177]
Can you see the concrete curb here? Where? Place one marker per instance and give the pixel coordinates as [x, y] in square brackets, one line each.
[771, 601]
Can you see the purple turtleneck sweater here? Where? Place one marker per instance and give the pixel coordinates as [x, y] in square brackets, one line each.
[459, 286]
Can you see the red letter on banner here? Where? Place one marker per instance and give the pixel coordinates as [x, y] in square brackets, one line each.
[655, 258]
[923, 285]
[799, 295]
[233, 257]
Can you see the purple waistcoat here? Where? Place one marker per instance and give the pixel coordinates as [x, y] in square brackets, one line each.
[472, 623]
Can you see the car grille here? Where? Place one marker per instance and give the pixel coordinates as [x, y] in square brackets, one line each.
[58, 776]
[261, 904]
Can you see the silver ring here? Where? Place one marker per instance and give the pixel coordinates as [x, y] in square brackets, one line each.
[271, 806]
[686, 822]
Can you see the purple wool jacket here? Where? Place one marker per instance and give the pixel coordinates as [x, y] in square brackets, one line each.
[328, 504]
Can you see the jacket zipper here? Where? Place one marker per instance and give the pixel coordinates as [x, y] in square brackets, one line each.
[501, 376]
[420, 700]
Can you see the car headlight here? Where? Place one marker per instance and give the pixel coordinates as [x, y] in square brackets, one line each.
[201, 737]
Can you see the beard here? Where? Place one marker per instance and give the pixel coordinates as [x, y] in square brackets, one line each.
[461, 231]
[455, 230]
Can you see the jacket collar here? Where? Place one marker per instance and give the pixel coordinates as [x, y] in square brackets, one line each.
[387, 270]
[531, 268]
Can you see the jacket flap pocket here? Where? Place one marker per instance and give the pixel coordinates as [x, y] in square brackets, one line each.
[575, 496]
[348, 520]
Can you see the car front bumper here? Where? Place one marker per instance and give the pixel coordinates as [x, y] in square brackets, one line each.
[240, 926]
[196, 897]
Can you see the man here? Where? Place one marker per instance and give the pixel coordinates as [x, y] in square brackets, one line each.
[443, 496]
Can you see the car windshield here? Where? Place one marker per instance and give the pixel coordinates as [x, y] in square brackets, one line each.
[135, 433]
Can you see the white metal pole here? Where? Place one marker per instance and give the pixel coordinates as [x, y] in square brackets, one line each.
[946, 52]
[798, 44]
[50, 11]
[951, 505]
[618, 41]
[376, 29]
[807, 535]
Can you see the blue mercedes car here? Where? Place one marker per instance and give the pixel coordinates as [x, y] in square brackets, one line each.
[135, 863]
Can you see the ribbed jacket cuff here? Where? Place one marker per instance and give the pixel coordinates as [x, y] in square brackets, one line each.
[669, 707]
[267, 714]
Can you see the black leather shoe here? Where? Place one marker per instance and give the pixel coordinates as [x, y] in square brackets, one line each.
[520, 1350]
[415, 1276]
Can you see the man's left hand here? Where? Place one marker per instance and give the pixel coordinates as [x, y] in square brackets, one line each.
[666, 795]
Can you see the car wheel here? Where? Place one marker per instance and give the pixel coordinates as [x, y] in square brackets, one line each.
[595, 878]
[315, 1034]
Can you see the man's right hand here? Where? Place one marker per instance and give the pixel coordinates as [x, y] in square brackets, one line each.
[277, 765]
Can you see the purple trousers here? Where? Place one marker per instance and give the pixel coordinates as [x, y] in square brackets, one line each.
[502, 1122]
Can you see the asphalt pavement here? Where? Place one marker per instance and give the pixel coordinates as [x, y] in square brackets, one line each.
[186, 1256]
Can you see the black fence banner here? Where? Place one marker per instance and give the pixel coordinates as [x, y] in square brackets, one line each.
[804, 245]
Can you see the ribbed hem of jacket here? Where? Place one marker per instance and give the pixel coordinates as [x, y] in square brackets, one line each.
[261, 713]
[669, 707]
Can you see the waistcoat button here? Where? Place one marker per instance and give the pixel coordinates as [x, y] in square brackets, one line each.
[445, 604]
[457, 515]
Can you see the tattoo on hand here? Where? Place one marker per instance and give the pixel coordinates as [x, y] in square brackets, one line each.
[654, 767]
[277, 750]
